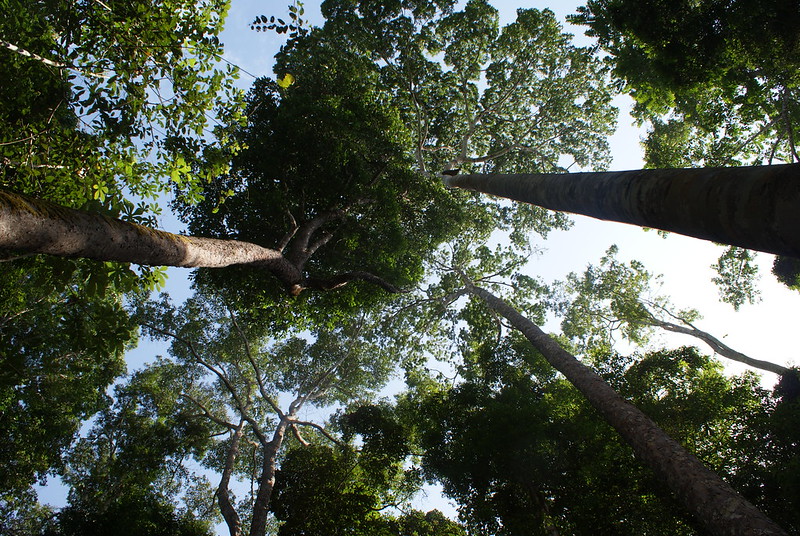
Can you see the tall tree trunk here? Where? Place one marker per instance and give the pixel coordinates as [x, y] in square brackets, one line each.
[30, 225]
[751, 207]
[266, 481]
[33, 225]
[710, 499]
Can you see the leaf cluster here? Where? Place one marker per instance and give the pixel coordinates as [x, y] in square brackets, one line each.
[62, 345]
[524, 453]
[726, 72]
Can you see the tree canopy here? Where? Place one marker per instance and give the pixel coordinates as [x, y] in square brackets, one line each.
[733, 92]
[335, 262]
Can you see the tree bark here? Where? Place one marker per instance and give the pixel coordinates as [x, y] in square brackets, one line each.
[29, 225]
[721, 348]
[266, 482]
[751, 207]
[226, 507]
[710, 499]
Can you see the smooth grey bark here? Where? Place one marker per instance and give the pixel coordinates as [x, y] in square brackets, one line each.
[226, 506]
[720, 347]
[709, 498]
[266, 482]
[751, 207]
[29, 225]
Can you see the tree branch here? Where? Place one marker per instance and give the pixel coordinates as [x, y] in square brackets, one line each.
[341, 280]
[22, 52]
[259, 377]
[320, 429]
[207, 413]
[289, 235]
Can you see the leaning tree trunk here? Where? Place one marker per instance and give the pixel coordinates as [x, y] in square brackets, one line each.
[30, 225]
[751, 207]
[710, 499]
[721, 348]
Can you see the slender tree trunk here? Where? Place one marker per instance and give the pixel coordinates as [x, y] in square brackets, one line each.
[721, 348]
[266, 482]
[751, 207]
[710, 499]
[226, 507]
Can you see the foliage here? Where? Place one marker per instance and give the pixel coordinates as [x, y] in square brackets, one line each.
[737, 277]
[327, 492]
[318, 491]
[433, 523]
[501, 99]
[782, 469]
[136, 450]
[524, 453]
[344, 168]
[617, 298]
[22, 515]
[607, 299]
[787, 271]
[145, 515]
[61, 346]
[115, 101]
[99, 101]
[357, 141]
[732, 94]
[230, 375]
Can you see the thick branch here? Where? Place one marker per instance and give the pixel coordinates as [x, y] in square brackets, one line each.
[256, 369]
[299, 251]
[207, 413]
[240, 405]
[320, 429]
[289, 235]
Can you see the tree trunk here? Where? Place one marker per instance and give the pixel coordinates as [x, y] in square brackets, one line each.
[266, 482]
[710, 499]
[226, 507]
[751, 207]
[37, 226]
[30, 225]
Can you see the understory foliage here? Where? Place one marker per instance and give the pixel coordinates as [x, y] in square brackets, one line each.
[266, 413]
